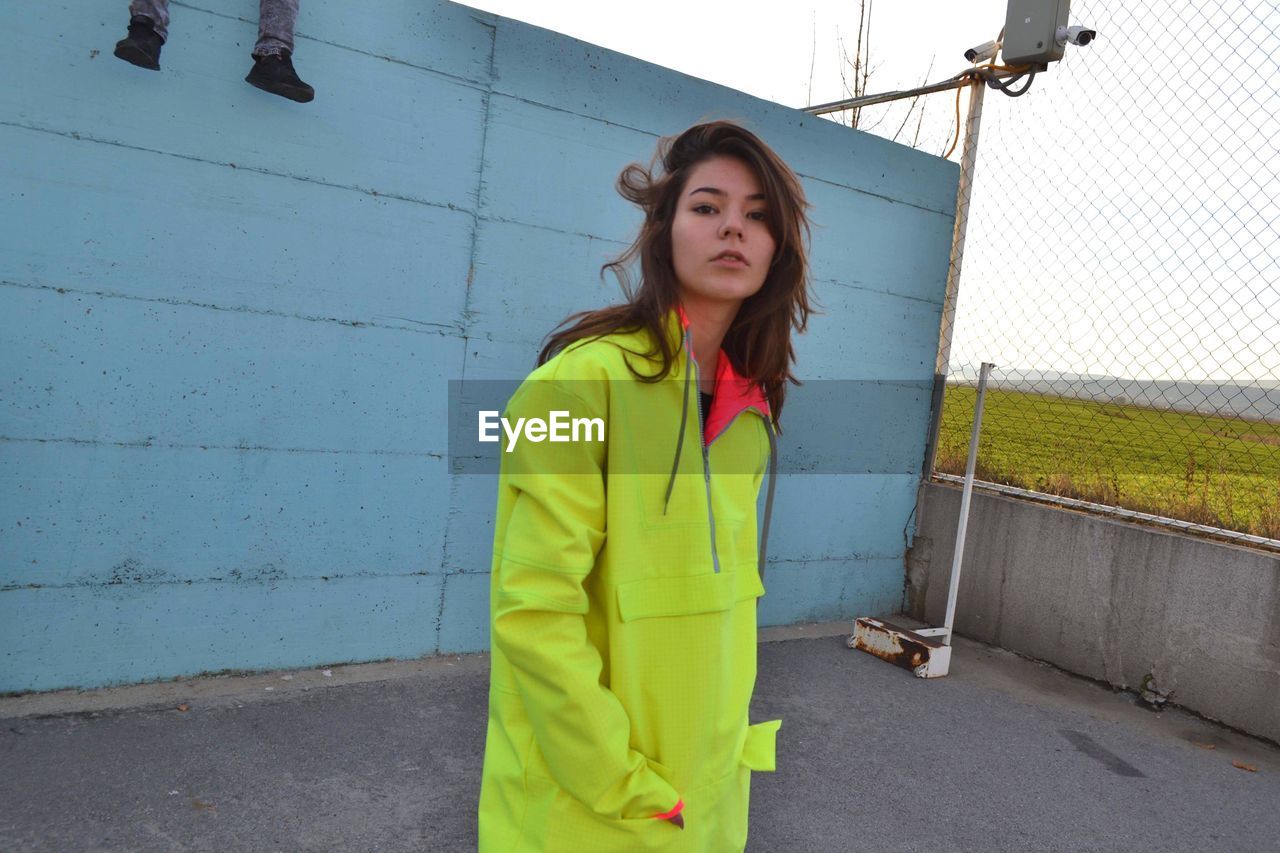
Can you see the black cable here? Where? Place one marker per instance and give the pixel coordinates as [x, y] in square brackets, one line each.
[994, 82]
[1009, 85]
[1005, 86]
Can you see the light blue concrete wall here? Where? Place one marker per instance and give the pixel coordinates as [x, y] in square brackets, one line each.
[229, 322]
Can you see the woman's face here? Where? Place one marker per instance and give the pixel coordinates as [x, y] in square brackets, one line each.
[721, 246]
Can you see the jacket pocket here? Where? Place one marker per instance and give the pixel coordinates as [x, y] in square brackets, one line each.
[687, 595]
[759, 751]
[565, 825]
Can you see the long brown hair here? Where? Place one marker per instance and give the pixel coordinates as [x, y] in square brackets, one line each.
[758, 341]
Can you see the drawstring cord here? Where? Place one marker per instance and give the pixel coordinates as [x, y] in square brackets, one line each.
[768, 501]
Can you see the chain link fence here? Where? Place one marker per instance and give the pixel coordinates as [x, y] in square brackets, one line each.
[1122, 270]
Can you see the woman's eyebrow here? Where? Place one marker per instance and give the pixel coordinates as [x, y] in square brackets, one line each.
[719, 192]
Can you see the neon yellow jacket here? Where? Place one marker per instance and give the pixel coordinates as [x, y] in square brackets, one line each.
[623, 631]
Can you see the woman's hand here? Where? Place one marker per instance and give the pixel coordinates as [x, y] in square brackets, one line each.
[675, 816]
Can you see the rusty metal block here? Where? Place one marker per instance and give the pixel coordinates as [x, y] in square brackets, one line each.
[902, 646]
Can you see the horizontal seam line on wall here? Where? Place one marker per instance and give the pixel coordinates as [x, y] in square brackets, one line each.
[246, 581]
[439, 329]
[540, 104]
[89, 442]
[272, 579]
[845, 284]
[502, 220]
[85, 137]
[835, 559]
[949, 214]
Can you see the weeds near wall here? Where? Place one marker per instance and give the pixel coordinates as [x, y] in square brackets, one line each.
[1220, 472]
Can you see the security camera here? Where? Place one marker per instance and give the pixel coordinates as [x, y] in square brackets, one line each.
[983, 52]
[1079, 36]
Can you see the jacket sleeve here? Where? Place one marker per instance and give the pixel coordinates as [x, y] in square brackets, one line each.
[555, 526]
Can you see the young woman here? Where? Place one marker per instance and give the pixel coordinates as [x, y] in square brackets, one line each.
[626, 569]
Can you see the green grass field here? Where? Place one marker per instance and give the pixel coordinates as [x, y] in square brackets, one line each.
[1223, 472]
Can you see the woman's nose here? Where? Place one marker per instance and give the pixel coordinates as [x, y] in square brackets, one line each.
[732, 225]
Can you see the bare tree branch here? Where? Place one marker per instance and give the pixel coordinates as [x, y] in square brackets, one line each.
[813, 54]
[915, 142]
[859, 81]
[844, 58]
[946, 140]
[866, 59]
[863, 69]
[914, 101]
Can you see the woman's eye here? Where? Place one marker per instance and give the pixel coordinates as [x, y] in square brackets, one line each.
[704, 208]
[759, 215]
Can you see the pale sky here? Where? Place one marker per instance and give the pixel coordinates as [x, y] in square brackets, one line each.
[770, 55]
[1125, 211]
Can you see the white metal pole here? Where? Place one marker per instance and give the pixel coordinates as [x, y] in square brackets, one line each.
[965, 495]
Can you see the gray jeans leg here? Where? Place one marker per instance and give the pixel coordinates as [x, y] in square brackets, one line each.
[275, 26]
[156, 10]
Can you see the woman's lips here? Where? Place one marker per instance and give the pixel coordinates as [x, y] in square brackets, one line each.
[731, 259]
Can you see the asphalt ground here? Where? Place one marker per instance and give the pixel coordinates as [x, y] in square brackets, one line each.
[1004, 754]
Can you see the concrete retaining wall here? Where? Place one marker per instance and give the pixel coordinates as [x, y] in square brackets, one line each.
[1111, 600]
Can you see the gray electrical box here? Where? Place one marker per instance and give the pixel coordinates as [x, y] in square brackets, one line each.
[1030, 30]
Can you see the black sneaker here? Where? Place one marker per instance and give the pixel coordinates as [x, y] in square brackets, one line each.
[142, 45]
[274, 73]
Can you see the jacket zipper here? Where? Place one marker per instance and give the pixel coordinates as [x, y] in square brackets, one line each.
[706, 462]
[768, 425]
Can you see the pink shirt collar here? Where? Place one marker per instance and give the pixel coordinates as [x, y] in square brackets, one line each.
[733, 392]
